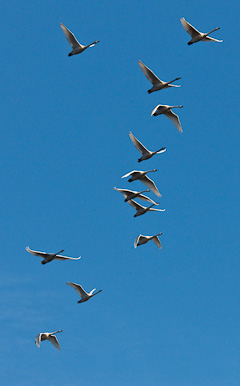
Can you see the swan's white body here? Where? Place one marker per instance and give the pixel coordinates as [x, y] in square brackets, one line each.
[157, 83]
[47, 257]
[166, 110]
[84, 295]
[130, 194]
[77, 48]
[143, 209]
[146, 154]
[144, 239]
[48, 336]
[141, 175]
[196, 35]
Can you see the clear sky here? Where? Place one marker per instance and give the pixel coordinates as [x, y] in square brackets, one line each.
[164, 318]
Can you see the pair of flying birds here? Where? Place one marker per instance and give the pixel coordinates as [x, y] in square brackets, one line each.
[50, 335]
[196, 36]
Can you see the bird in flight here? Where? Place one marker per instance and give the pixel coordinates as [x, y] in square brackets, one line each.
[130, 194]
[196, 35]
[84, 295]
[141, 176]
[157, 83]
[47, 257]
[140, 210]
[48, 336]
[77, 48]
[140, 240]
[166, 110]
[146, 154]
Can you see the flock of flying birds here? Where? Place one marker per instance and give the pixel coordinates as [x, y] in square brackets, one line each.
[129, 195]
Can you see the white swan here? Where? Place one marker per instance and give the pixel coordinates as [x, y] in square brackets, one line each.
[144, 239]
[196, 35]
[76, 46]
[130, 194]
[143, 209]
[157, 83]
[84, 295]
[48, 336]
[146, 154]
[50, 256]
[166, 110]
[141, 175]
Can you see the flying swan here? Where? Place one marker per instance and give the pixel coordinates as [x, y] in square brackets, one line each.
[48, 336]
[146, 154]
[157, 83]
[84, 295]
[166, 110]
[47, 257]
[141, 175]
[130, 194]
[196, 35]
[140, 210]
[145, 239]
[76, 46]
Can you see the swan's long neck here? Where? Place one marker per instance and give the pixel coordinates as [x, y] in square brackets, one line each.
[97, 293]
[215, 29]
[173, 80]
[151, 206]
[59, 252]
[93, 43]
[56, 332]
[162, 148]
[172, 107]
[143, 191]
[148, 171]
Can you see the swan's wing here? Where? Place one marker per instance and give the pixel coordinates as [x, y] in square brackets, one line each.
[149, 74]
[128, 174]
[79, 289]
[189, 28]
[156, 240]
[208, 38]
[70, 37]
[155, 109]
[60, 257]
[38, 339]
[54, 341]
[174, 85]
[135, 205]
[175, 119]
[36, 253]
[136, 241]
[138, 144]
[151, 185]
[145, 198]
[123, 191]
[157, 210]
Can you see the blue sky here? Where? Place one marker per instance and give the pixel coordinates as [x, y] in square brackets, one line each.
[164, 318]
